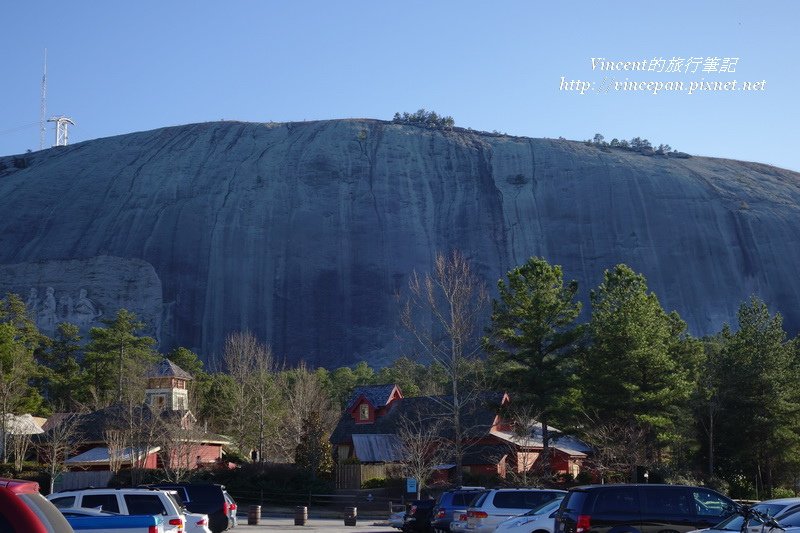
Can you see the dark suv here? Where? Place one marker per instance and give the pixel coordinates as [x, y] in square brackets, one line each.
[449, 502]
[641, 509]
[203, 498]
[418, 517]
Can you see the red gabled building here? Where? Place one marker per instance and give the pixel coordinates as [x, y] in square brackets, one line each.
[368, 428]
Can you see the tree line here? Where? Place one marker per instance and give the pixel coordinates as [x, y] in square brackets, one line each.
[630, 380]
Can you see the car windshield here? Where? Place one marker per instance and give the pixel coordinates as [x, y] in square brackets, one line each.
[546, 507]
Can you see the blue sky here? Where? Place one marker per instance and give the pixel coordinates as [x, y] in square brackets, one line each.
[119, 67]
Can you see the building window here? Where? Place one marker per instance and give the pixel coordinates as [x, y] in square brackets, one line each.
[363, 412]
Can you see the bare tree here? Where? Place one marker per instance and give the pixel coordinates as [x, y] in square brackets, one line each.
[304, 398]
[252, 367]
[443, 313]
[13, 386]
[20, 443]
[116, 442]
[179, 446]
[619, 447]
[56, 445]
[143, 428]
[524, 472]
[419, 445]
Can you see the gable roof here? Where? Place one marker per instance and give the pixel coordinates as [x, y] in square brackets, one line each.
[21, 425]
[377, 395]
[479, 416]
[567, 444]
[167, 369]
[101, 455]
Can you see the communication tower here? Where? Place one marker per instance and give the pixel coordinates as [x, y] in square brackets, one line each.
[62, 123]
[43, 107]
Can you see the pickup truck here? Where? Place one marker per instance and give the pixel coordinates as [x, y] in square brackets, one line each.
[116, 523]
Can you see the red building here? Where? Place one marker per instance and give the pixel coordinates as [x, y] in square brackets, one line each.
[367, 433]
[160, 433]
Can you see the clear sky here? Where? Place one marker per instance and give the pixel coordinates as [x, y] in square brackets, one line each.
[118, 67]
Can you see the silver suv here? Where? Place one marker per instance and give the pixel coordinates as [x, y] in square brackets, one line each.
[497, 505]
[127, 501]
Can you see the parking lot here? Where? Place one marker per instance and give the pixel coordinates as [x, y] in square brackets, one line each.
[322, 525]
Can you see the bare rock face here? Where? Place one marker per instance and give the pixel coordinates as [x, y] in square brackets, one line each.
[305, 233]
[85, 292]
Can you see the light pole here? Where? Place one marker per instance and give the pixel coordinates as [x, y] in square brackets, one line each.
[646, 476]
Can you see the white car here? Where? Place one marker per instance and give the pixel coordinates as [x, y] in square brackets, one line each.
[494, 506]
[128, 502]
[538, 520]
[196, 523]
[781, 509]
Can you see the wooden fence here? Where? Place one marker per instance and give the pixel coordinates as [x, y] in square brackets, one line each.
[81, 480]
[352, 476]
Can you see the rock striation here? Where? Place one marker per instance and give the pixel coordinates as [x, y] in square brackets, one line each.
[305, 233]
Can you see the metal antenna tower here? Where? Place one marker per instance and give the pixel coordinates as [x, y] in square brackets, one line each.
[43, 107]
[62, 123]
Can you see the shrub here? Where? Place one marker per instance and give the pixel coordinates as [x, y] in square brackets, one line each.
[374, 483]
[428, 119]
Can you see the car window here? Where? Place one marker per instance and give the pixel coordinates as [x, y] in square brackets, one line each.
[734, 523]
[771, 509]
[708, 503]
[546, 507]
[176, 501]
[478, 500]
[64, 502]
[144, 504]
[462, 499]
[573, 501]
[620, 500]
[106, 502]
[668, 501]
[790, 520]
[520, 499]
[206, 495]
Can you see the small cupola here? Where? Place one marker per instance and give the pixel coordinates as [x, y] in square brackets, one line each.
[167, 387]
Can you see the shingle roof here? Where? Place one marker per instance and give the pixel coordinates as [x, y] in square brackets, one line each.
[377, 395]
[478, 417]
[167, 369]
[377, 448]
[101, 456]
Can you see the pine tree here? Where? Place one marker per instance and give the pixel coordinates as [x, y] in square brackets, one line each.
[117, 358]
[759, 429]
[533, 338]
[641, 364]
[314, 452]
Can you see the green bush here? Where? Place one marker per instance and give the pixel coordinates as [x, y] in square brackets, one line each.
[782, 492]
[374, 483]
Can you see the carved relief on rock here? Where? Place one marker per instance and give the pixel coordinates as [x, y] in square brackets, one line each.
[51, 311]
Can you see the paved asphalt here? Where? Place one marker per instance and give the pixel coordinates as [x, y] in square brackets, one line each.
[313, 525]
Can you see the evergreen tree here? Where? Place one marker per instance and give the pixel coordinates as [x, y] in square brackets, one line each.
[63, 382]
[314, 452]
[640, 367]
[117, 358]
[759, 422]
[19, 339]
[533, 338]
